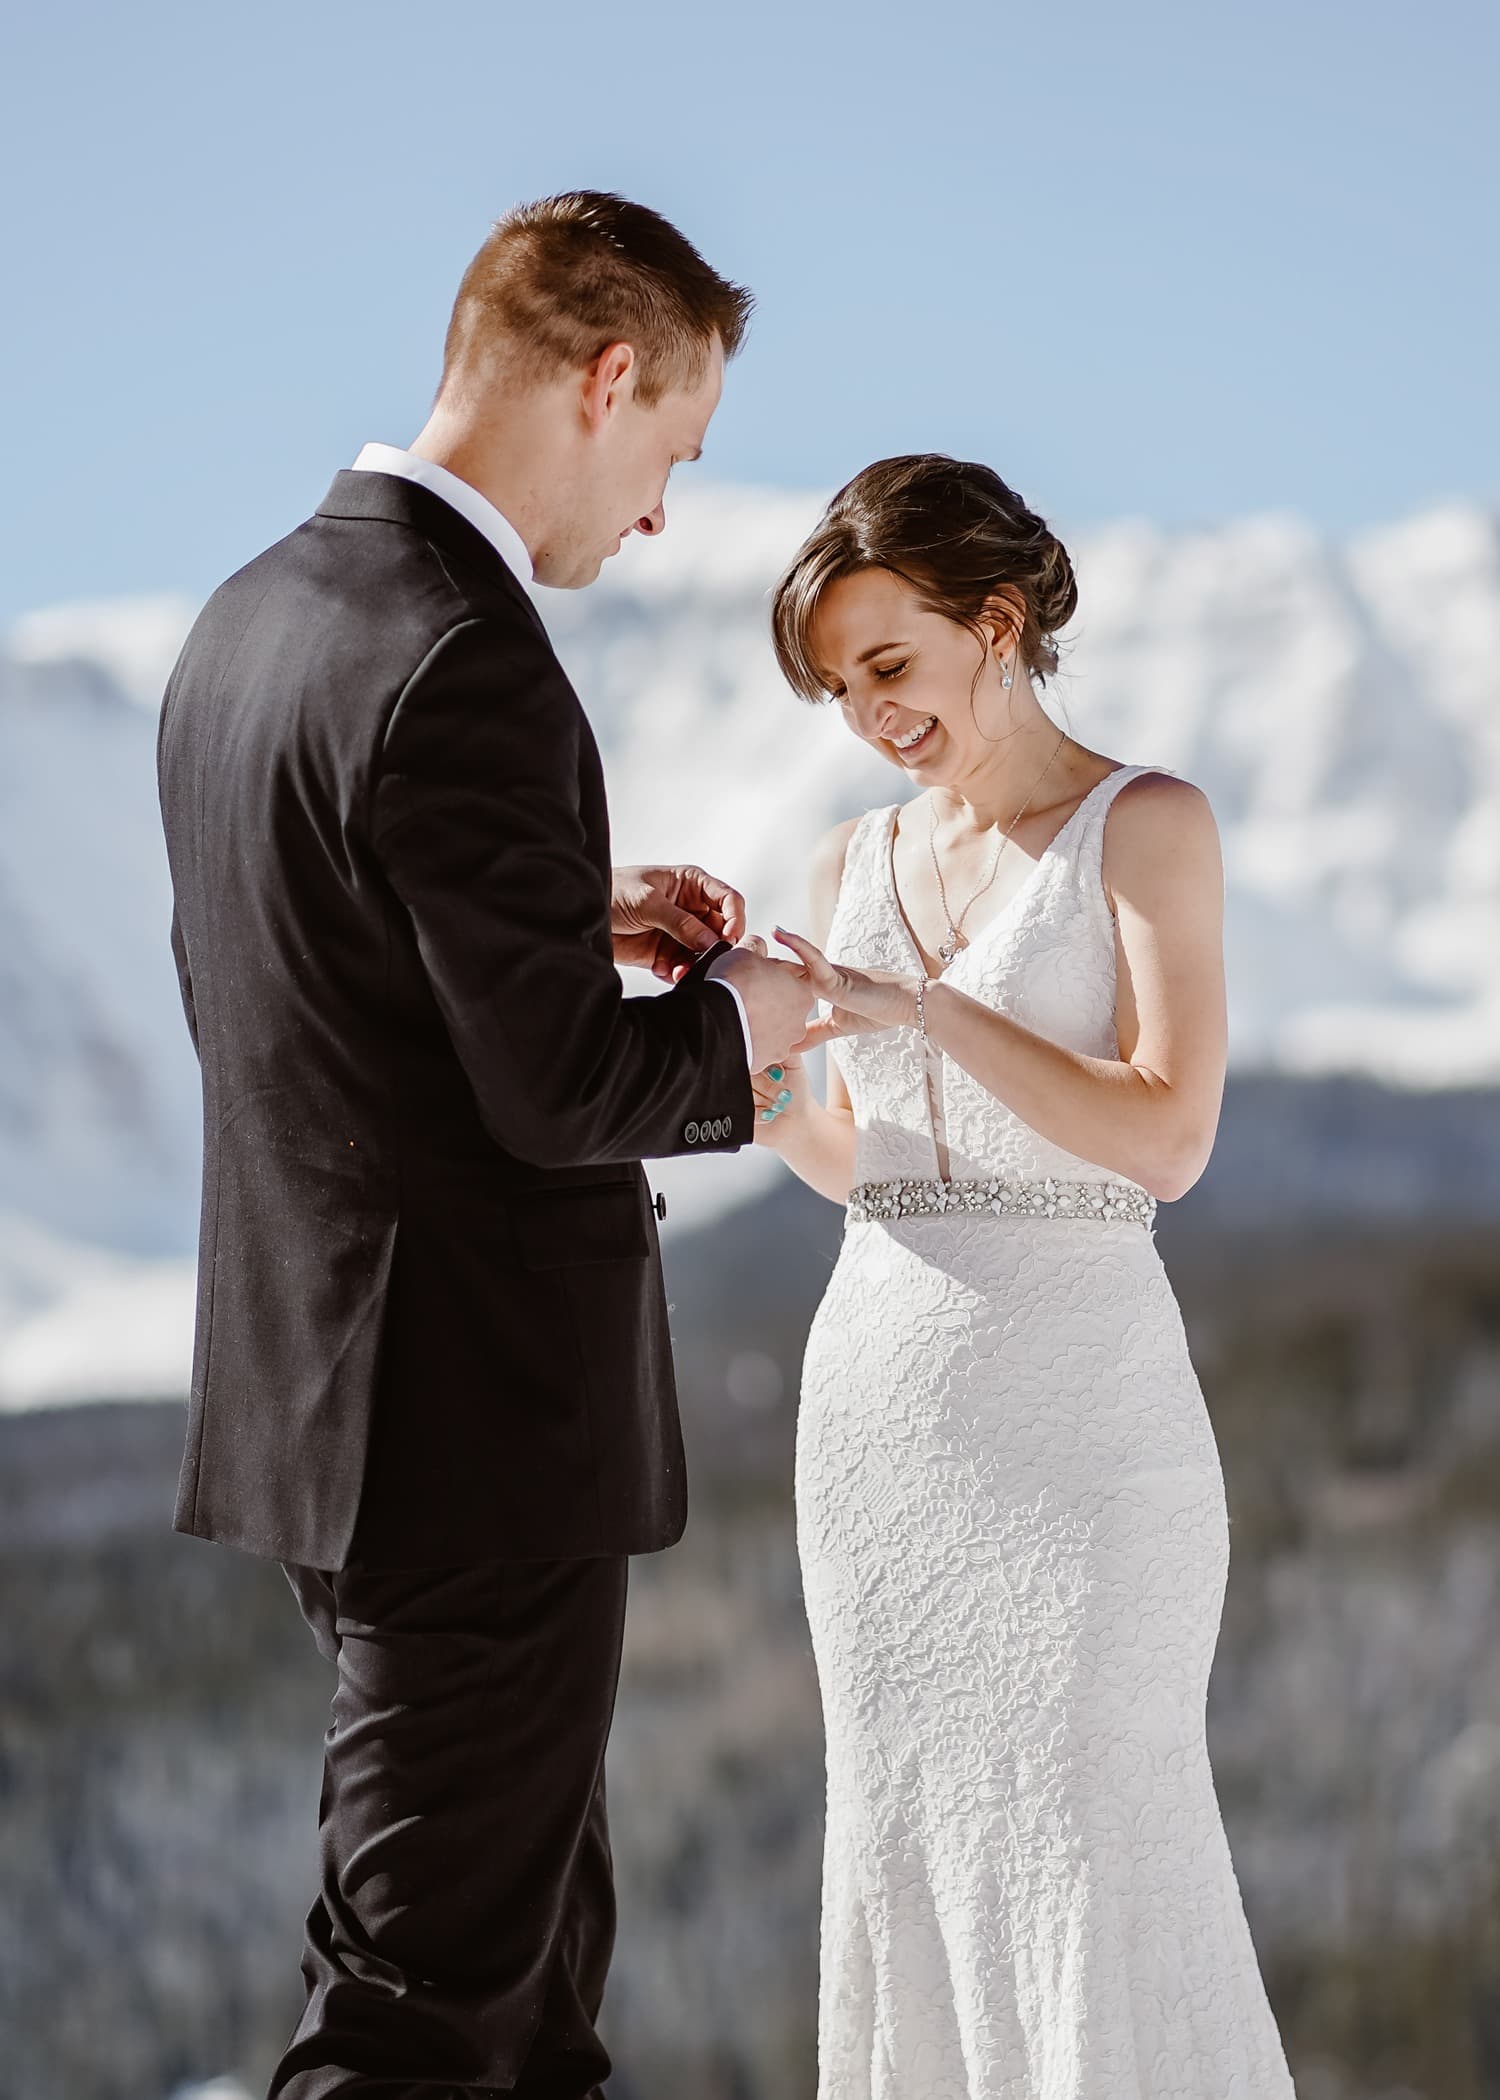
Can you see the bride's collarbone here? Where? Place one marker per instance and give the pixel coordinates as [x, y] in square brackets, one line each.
[917, 888]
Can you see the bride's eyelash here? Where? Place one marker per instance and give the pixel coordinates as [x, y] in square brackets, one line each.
[883, 672]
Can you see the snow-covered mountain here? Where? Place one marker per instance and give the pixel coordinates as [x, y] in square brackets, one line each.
[98, 1084]
[1336, 701]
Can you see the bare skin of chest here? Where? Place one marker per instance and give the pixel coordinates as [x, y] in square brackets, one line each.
[965, 866]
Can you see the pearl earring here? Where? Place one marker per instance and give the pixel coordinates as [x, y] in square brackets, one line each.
[1006, 679]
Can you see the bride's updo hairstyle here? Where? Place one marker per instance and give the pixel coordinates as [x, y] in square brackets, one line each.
[955, 533]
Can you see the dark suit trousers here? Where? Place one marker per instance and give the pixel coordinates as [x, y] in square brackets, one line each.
[465, 1920]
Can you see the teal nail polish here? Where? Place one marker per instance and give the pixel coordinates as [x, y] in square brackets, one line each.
[776, 1072]
[768, 1115]
[785, 1094]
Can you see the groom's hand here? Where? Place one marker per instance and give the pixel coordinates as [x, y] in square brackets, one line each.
[776, 997]
[661, 919]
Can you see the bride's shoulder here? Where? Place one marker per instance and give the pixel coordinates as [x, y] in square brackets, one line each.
[1154, 794]
[828, 853]
[831, 850]
[826, 872]
[1160, 830]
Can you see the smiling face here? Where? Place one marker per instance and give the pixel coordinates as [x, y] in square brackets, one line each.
[621, 457]
[904, 676]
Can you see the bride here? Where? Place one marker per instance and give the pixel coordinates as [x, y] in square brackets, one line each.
[1010, 1507]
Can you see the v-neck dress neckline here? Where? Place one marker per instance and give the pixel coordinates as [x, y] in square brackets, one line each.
[1042, 861]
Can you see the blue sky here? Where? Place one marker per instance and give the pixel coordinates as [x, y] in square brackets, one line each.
[1181, 262]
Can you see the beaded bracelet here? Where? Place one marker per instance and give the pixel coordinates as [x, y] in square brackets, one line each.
[921, 1014]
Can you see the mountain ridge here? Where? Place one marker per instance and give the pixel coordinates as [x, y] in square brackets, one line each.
[1335, 699]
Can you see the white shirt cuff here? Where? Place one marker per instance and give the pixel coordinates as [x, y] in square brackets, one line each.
[711, 976]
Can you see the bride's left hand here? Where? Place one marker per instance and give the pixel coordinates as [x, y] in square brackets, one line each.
[863, 1001]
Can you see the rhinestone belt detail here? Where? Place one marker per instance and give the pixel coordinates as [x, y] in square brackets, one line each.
[871, 1200]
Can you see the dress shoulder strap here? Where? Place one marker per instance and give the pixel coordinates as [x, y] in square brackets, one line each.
[1095, 805]
[860, 911]
[862, 854]
[1088, 839]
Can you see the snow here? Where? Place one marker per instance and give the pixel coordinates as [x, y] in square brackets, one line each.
[134, 640]
[1336, 701]
[79, 1322]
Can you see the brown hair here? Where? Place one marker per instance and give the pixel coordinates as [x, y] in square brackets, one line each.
[951, 529]
[559, 280]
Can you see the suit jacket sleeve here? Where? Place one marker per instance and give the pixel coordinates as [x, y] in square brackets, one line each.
[476, 819]
[184, 979]
[179, 946]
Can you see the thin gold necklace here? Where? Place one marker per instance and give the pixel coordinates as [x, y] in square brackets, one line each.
[950, 947]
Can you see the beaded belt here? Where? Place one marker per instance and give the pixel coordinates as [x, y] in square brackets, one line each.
[870, 1200]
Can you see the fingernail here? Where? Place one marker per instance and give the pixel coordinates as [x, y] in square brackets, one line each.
[775, 1071]
[785, 1094]
[768, 1115]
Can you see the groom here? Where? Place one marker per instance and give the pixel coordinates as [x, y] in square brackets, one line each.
[432, 1371]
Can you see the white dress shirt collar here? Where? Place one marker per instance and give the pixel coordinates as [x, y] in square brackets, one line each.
[461, 494]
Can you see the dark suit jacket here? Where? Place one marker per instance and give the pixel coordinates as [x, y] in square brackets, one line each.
[431, 1324]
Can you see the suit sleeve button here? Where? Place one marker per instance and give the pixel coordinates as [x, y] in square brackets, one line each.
[660, 1205]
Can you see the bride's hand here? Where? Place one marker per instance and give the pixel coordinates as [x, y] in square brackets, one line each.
[782, 1093]
[863, 1001]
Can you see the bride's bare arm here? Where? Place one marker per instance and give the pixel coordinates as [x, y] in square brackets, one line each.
[1151, 1114]
[815, 1139]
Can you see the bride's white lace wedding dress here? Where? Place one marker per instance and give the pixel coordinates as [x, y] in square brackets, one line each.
[1011, 1522]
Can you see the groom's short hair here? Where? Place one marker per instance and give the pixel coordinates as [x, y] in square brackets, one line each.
[559, 280]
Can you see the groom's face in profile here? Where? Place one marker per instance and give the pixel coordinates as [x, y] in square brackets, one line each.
[626, 456]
